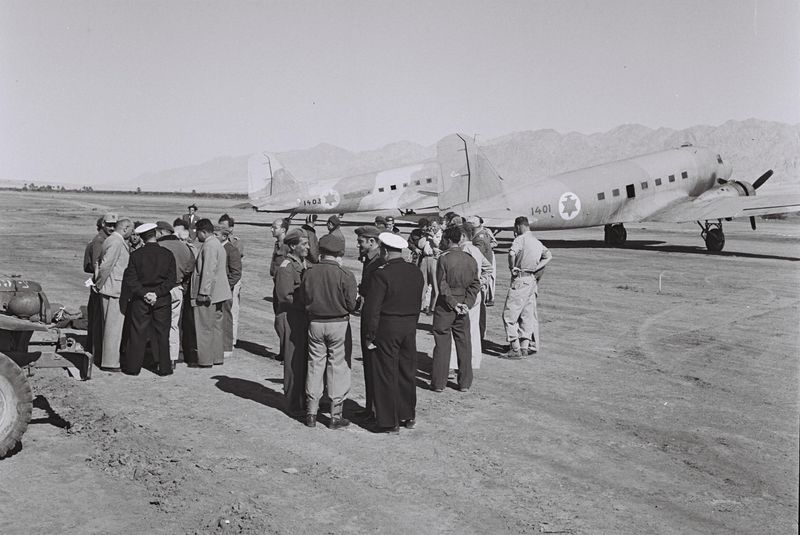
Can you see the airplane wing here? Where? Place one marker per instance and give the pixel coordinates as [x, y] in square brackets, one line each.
[726, 207]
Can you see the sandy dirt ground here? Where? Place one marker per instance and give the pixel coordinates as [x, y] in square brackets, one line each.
[645, 412]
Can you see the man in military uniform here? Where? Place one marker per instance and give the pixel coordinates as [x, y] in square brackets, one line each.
[149, 279]
[329, 296]
[94, 309]
[313, 241]
[457, 275]
[279, 229]
[290, 321]
[391, 312]
[369, 249]
[526, 260]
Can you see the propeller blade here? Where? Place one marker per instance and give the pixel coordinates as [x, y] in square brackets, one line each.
[752, 222]
[763, 178]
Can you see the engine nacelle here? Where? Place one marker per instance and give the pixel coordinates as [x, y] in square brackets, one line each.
[729, 188]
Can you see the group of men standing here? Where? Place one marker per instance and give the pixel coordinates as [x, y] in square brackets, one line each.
[164, 290]
[313, 299]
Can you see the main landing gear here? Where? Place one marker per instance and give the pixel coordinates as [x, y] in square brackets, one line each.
[615, 235]
[712, 233]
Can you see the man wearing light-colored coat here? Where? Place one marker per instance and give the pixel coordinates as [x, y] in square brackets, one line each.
[209, 291]
[113, 261]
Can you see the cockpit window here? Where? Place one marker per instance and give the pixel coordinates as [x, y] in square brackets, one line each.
[719, 159]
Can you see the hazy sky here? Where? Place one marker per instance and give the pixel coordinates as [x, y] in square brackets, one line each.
[100, 91]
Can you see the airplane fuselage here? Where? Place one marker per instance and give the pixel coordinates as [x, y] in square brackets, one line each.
[411, 187]
[617, 192]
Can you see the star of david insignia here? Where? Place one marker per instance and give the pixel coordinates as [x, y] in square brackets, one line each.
[330, 198]
[568, 205]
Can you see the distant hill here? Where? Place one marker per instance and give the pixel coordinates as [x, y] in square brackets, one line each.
[751, 146]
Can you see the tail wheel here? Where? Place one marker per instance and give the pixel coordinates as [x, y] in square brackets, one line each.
[16, 403]
[715, 240]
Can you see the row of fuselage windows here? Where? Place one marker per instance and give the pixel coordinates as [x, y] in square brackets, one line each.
[394, 187]
[644, 185]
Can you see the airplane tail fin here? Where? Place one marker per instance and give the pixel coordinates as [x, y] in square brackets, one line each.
[467, 175]
[267, 178]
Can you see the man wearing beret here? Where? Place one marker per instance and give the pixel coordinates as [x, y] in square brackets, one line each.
[329, 295]
[391, 312]
[149, 279]
[369, 250]
[290, 320]
[334, 226]
[209, 290]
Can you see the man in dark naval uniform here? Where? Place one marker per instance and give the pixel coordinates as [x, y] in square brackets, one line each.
[391, 312]
[290, 321]
[457, 275]
[149, 279]
[369, 250]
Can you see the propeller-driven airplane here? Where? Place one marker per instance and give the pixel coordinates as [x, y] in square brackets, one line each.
[679, 185]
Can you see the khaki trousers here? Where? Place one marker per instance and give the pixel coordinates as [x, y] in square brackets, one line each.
[175, 323]
[326, 350]
[208, 327]
[113, 320]
[519, 314]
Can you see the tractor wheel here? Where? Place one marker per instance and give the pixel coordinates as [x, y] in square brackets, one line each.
[16, 403]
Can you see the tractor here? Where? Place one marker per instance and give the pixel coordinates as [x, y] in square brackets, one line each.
[31, 336]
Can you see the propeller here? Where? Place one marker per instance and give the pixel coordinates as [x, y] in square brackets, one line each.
[763, 178]
[757, 184]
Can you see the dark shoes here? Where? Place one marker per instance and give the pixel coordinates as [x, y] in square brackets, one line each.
[389, 430]
[489, 303]
[311, 420]
[514, 354]
[463, 389]
[110, 369]
[338, 423]
[437, 390]
[409, 424]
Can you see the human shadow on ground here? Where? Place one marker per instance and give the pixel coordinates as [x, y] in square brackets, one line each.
[53, 418]
[274, 399]
[425, 371]
[253, 348]
[493, 348]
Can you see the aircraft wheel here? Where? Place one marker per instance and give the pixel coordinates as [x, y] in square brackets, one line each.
[615, 235]
[715, 240]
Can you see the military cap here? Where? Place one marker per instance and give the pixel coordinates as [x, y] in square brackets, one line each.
[368, 231]
[294, 235]
[392, 240]
[335, 220]
[110, 217]
[163, 225]
[330, 244]
[193, 205]
[380, 220]
[145, 227]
